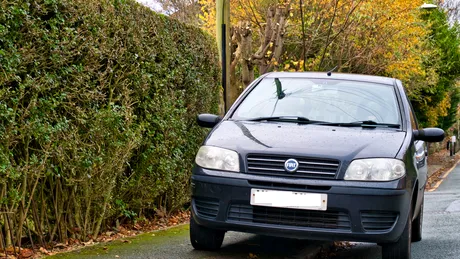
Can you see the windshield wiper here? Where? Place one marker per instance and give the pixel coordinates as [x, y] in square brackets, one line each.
[304, 120]
[296, 119]
[374, 123]
[364, 124]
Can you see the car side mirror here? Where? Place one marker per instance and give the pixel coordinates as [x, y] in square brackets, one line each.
[208, 120]
[429, 134]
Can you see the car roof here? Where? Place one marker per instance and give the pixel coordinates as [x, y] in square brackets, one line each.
[333, 76]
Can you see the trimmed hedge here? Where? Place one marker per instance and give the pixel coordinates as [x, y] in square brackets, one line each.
[98, 102]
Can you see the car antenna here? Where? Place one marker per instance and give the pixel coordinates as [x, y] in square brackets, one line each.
[279, 89]
[329, 73]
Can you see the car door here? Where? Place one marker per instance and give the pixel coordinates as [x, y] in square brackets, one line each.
[420, 158]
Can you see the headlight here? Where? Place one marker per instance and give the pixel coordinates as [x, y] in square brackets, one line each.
[218, 158]
[376, 169]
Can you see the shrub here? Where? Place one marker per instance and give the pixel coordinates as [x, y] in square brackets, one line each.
[98, 101]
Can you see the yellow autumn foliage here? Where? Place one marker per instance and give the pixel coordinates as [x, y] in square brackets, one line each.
[377, 37]
[433, 113]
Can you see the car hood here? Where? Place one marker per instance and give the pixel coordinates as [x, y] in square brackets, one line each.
[344, 143]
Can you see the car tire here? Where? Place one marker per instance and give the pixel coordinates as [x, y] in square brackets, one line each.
[402, 248]
[203, 238]
[417, 224]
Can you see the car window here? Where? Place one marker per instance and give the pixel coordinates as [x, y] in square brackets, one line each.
[412, 120]
[329, 100]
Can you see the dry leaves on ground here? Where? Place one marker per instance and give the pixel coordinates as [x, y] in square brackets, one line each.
[120, 234]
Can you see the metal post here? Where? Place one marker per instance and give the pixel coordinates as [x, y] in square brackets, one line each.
[223, 42]
[224, 64]
[304, 47]
[228, 56]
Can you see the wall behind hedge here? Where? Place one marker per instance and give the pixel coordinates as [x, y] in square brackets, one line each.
[98, 101]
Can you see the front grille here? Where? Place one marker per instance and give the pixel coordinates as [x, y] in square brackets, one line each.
[206, 208]
[308, 167]
[289, 217]
[287, 186]
[378, 221]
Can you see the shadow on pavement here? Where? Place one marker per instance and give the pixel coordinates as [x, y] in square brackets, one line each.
[358, 251]
[256, 246]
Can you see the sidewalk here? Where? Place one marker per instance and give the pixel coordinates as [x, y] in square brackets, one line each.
[439, 160]
[438, 164]
[441, 233]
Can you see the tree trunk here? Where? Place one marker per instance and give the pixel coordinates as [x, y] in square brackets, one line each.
[242, 36]
[272, 41]
[8, 241]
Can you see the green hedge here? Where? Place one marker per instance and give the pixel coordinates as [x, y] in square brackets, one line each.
[98, 102]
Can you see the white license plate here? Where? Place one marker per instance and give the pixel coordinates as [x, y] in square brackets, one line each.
[286, 199]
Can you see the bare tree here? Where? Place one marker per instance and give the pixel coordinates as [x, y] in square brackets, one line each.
[453, 10]
[271, 42]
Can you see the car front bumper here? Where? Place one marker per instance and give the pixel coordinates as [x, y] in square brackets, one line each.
[354, 212]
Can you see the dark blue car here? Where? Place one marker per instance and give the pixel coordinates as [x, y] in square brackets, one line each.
[314, 156]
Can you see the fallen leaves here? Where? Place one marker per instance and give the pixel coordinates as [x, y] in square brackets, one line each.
[44, 251]
[88, 243]
[11, 250]
[60, 246]
[26, 253]
[335, 248]
[16, 253]
[121, 233]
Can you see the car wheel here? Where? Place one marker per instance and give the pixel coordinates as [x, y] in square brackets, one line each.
[203, 238]
[401, 248]
[417, 224]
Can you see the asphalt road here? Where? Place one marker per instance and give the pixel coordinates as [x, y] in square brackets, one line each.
[174, 243]
[441, 226]
[441, 238]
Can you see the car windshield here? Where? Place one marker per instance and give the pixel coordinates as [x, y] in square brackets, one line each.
[327, 100]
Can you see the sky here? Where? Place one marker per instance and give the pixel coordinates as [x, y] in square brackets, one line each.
[151, 3]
